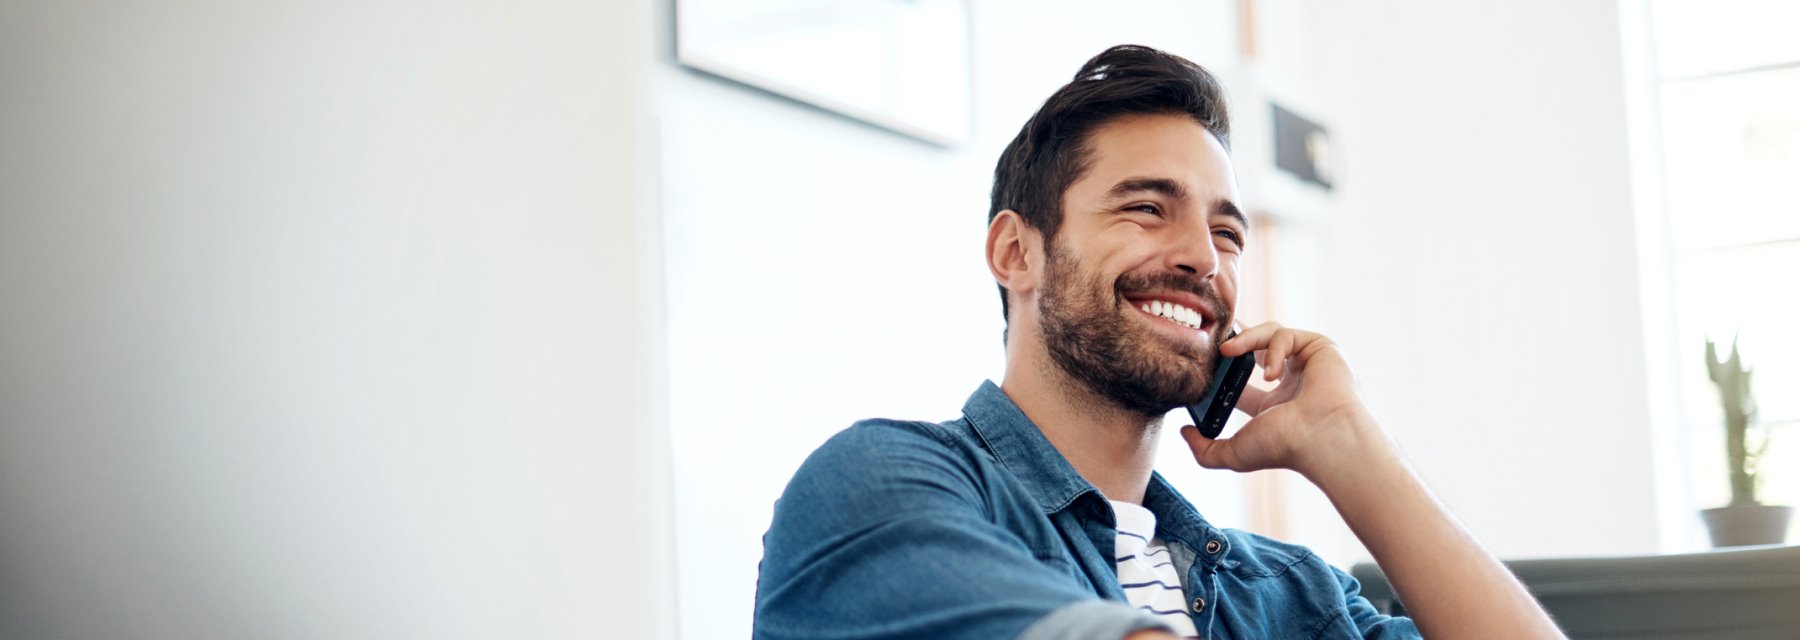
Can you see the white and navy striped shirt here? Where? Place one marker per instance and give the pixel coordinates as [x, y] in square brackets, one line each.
[1145, 570]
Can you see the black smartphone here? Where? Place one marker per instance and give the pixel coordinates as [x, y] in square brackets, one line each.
[1229, 378]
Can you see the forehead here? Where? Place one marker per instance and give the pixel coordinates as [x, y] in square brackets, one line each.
[1171, 146]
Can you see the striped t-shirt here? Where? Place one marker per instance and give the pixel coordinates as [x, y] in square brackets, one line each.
[1145, 571]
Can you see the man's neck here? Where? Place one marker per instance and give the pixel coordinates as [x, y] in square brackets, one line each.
[1112, 448]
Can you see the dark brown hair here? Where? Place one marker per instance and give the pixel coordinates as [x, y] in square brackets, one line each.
[1053, 149]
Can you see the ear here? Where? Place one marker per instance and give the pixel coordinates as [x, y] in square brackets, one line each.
[1015, 253]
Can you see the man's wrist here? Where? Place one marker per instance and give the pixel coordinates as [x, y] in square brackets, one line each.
[1356, 446]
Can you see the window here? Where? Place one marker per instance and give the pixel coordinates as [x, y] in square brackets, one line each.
[1728, 93]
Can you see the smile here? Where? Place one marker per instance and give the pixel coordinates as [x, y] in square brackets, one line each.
[1175, 313]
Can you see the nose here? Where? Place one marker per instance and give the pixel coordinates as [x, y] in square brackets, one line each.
[1193, 253]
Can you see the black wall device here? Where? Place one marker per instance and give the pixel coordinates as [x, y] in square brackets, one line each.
[1228, 381]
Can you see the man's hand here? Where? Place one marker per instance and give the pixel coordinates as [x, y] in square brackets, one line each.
[1314, 422]
[1311, 421]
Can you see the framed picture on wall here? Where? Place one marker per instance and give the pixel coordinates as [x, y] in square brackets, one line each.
[899, 64]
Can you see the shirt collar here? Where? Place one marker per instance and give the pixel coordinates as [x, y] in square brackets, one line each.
[1023, 450]
[1176, 517]
[1028, 455]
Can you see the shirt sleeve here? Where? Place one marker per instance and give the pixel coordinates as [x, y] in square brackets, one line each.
[1092, 619]
[884, 533]
[1372, 623]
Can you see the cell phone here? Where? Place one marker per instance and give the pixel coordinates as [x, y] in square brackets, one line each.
[1229, 378]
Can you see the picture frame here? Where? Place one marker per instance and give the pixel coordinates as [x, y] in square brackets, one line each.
[903, 65]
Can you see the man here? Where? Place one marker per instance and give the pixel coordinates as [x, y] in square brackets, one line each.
[1115, 235]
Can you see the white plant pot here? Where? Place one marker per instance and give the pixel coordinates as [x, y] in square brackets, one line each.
[1748, 524]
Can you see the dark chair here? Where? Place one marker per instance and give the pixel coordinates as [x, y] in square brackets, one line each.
[1745, 593]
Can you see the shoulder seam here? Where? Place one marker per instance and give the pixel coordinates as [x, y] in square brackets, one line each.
[1305, 554]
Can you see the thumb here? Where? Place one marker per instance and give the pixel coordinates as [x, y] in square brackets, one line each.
[1211, 453]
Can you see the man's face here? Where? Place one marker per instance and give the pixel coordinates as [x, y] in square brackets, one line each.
[1140, 281]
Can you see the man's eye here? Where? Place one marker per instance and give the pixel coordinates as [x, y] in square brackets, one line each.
[1146, 208]
[1233, 236]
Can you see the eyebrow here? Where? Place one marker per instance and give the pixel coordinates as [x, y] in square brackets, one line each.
[1225, 207]
[1164, 186]
[1175, 191]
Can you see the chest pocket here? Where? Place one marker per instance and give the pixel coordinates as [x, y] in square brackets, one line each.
[1287, 600]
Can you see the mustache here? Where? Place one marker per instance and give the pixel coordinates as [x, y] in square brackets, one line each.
[1165, 281]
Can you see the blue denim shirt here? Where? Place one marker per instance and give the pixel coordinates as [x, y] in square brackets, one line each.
[979, 528]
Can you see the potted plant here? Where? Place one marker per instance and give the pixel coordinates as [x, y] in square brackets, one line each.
[1745, 521]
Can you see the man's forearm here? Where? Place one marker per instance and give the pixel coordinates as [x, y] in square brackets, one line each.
[1152, 634]
[1452, 587]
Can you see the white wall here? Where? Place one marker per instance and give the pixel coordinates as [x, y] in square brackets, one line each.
[328, 320]
[1481, 270]
[822, 271]
[1479, 266]
[341, 320]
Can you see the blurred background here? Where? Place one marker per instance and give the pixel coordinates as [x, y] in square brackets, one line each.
[511, 319]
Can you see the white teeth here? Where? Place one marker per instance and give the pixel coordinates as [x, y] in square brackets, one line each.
[1179, 314]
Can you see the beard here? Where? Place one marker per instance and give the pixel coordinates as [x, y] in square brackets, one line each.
[1135, 369]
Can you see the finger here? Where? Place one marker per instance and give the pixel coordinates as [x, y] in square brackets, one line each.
[1251, 339]
[1272, 356]
[1210, 453]
[1280, 346]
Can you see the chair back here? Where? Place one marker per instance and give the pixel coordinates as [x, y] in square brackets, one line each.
[1744, 593]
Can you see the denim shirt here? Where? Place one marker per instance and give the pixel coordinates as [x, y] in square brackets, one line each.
[979, 528]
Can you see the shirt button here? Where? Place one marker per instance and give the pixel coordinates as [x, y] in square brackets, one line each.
[1199, 605]
[1213, 546]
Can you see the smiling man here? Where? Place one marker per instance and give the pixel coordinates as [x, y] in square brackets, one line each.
[1115, 235]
